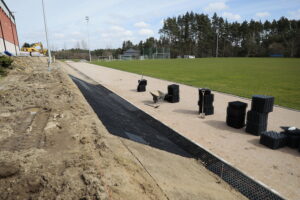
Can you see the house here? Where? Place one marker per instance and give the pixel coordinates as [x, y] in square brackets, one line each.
[130, 54]
[8, 30]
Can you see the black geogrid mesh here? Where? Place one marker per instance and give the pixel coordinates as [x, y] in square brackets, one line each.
[245, 185]
[240, 182]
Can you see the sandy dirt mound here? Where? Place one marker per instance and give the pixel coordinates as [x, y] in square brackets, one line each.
[52, 146]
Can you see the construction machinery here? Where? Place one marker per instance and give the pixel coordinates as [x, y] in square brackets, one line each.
[35, 47]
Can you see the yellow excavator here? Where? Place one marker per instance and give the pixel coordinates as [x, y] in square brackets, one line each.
[33, 48]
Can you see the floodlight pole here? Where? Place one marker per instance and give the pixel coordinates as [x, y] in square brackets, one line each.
[217, 49]
[46, 30]
[87, 22]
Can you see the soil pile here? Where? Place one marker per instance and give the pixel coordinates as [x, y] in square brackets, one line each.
[52, 145]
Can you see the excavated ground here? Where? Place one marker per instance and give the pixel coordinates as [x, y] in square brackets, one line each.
[53, 146]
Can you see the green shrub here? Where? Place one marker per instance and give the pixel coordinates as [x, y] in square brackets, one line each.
[5, 61]
[3, 72]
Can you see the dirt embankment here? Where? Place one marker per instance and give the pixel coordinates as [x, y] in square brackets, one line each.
[52, 146]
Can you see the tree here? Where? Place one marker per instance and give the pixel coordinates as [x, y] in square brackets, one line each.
[127, 45]
[196, 34]
[26, 45]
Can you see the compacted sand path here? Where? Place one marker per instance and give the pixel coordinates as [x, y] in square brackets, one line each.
[279, 170]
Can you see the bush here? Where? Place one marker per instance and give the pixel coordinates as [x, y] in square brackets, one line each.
[3, 72]
[5, 61]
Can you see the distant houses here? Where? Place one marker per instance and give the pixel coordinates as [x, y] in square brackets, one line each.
[130, 54]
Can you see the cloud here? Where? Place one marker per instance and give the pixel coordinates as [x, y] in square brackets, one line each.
[295, 14]
[217, 6]
[262, 14]
[76, 33]
[146, 32]
[120, 31]
[59, 35]
[127, 33]
[231, 16]
[117, 28]
[72, 40]
[141, 25]
[105, 35]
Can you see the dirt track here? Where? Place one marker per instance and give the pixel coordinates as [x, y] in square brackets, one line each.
[53, 146]
[279, 170]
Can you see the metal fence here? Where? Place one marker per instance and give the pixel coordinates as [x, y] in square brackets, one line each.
[156, 53]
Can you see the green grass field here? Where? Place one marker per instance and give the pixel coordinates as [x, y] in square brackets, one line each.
[279, 77]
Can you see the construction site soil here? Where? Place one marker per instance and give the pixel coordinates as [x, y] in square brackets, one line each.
[53, 146]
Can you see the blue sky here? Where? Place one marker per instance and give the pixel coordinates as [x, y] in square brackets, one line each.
[113, 21]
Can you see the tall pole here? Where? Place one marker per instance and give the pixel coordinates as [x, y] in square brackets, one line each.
[46, 30]
[217, 49]
[87, 22]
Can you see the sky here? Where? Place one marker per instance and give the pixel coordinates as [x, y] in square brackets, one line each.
[113, 21]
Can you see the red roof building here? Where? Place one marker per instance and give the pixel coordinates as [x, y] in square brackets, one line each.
[8, 30]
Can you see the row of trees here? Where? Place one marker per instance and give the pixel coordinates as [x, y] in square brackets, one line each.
[197, 34]
[82, 53]
[78, 53]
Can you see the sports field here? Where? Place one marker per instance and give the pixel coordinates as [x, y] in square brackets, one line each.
[279, 77]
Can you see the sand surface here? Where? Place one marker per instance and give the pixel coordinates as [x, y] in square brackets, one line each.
[278, 169]
[53, 146]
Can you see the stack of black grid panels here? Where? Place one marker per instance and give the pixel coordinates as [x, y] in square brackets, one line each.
[256, 122]
[236, 114]
[206, 101]
[262, 103]
[293, 137]
[173, 94]
[257, 117]
[142, 85]
[273, 140]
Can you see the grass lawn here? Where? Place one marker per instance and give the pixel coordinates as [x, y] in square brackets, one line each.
[278, 77]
